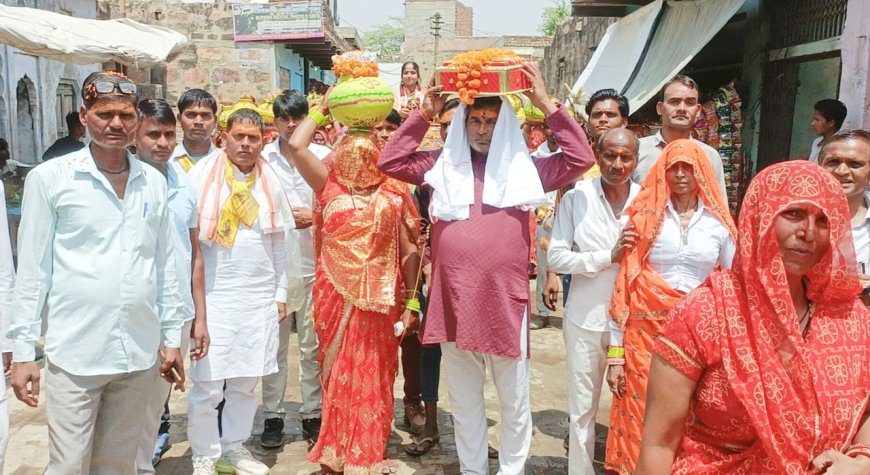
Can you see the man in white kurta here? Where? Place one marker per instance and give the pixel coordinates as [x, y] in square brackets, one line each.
[589, 222]
[242, 217]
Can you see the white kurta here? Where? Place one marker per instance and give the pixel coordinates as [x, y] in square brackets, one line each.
[240, 288]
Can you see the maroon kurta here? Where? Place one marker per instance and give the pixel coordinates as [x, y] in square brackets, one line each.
[480, 266]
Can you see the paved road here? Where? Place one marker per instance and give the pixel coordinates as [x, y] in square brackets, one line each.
[27, 453]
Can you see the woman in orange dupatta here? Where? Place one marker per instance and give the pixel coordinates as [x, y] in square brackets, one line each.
[681, 230]
[765, 368]
[365, 237]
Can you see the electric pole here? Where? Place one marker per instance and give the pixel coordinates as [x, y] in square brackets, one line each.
[435, 29]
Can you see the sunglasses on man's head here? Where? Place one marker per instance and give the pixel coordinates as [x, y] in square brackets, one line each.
[108, 87]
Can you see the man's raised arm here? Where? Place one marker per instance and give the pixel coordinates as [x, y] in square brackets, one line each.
[400, 158]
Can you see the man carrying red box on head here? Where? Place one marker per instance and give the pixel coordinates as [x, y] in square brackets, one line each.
[484, 183]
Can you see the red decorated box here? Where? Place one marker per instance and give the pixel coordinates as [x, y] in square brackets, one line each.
[494, 80]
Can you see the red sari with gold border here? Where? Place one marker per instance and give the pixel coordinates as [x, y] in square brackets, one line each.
[357, 300]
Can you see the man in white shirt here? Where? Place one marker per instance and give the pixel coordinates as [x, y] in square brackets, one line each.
[847, 157]
[95, 248]
[291, 108]
[607, 109]
[7, 284]
[828, 117]
[678, 108]
[197, 112]
[155, 141]
[588, 242]
[243, 215]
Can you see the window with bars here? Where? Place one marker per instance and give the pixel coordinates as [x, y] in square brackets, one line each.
[794, 22]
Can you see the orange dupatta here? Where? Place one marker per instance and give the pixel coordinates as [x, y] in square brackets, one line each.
[640, 291]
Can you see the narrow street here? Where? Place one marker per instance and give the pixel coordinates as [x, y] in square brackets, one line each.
[28, 446]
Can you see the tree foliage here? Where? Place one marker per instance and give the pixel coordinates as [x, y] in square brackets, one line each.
[553, 16]
[386, 39]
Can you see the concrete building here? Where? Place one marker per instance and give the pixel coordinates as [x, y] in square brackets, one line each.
[37, 93]
[227, 68]
[458, 19]
[456, 36]
[783, 56]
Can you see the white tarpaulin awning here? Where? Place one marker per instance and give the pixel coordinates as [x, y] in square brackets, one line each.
[85, 41]
[618, 52]
[651, 59]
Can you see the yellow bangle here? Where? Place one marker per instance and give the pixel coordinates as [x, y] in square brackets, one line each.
[317, 117]
[413, 305]
[616, 352]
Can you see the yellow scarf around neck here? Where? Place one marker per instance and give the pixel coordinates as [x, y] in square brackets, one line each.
[239, 207]
[185, 162]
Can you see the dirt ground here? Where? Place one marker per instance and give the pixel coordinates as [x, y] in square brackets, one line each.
[27, 453]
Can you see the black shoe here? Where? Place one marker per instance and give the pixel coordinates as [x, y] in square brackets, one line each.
[273, 433]
[311, 429]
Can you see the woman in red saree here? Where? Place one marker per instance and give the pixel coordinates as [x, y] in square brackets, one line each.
[765, 368]
[681, 230]
[366, 230]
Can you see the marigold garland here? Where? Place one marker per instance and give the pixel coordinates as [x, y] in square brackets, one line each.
[470, 67]
[356, 64]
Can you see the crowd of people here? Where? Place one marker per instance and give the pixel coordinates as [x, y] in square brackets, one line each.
[735, 347]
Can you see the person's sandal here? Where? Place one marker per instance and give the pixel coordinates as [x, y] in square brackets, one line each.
[422, 446]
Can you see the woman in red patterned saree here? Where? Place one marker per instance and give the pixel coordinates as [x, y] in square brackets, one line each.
[366, 248]
[765, 368]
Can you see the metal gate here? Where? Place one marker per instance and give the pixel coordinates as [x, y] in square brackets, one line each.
[793, 22]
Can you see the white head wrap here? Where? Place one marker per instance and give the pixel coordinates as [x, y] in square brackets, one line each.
[511, 178]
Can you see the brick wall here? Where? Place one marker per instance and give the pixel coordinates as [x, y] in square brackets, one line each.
[570, 50]
[464, 20]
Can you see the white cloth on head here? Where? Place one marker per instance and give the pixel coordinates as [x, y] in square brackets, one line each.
[511, 177]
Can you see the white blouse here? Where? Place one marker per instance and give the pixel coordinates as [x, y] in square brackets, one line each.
[685, 258]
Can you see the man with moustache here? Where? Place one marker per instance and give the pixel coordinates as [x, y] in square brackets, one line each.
[197, 112]
[589, 239]
[847, 156]
[155, 141]
[478, 310]
[243, 214]
[95, 248]
[607, 109]
[291, 108]
[678, 107]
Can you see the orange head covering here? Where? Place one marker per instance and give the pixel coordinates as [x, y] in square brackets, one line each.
[640, 290]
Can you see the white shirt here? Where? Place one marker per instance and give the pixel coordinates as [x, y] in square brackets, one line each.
[815, 149]
[861, 238]
[104, 267]
[299, 194]
[685, 264]
[180, 150]
[583, 237]
[651, 149]
[7, 278]
[183, 217]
